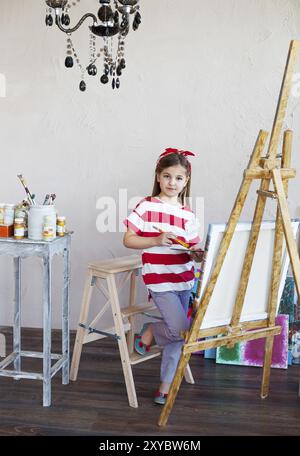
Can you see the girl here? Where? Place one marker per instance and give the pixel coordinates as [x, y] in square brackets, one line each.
[155, 225]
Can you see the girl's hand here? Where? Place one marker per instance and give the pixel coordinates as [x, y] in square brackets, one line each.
[196, 253]
[164, 239]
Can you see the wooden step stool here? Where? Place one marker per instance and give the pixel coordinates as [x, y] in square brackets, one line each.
[107, 270]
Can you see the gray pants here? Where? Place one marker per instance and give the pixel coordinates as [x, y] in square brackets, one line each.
[173, 306]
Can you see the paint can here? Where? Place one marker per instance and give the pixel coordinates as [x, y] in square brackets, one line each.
[2, 213]
[36, 216]
[9, 214]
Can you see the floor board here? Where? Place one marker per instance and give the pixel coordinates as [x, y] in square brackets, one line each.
[224, 401]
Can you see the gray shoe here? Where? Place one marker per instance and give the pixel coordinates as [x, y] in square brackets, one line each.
[160, 398]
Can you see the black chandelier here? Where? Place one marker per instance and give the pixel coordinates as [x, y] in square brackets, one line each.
[111, 21]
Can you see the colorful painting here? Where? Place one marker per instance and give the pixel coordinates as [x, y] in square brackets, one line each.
[295, 344]
[198, 284]
[210, 353]
[251, 353]
[287, 302]
[289, 305]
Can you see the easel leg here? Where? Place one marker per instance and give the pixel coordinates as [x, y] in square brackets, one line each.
[276, 268]
[125, 360]
[288, 232]
[267, 367]
[84, 312]
[287, 227]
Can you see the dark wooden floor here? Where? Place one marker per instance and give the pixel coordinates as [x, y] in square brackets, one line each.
[224, 401]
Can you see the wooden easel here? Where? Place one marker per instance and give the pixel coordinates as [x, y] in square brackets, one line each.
[265, 169]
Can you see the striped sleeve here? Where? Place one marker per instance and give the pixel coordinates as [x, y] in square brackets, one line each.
[192, 227]
[135, 220]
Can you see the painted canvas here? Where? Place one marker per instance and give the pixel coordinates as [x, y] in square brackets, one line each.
[289, 305]
[287, 302]
[295, 343]
[198, 283]
[251, 353]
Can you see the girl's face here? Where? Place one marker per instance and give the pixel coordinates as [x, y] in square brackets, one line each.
[172, 180]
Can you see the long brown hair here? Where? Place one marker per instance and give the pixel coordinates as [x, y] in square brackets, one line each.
[173, 160]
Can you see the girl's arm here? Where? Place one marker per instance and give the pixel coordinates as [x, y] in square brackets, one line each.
[132, 241]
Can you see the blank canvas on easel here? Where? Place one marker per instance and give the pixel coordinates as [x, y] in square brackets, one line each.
[222, 302]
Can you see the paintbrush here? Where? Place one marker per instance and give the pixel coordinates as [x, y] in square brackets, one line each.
[179, 241]
[23, 182]
[46, 199]
[52, 198]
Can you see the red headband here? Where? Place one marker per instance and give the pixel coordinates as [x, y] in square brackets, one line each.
[169, 151]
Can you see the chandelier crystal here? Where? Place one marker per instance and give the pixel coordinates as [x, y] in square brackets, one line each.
[113, 19]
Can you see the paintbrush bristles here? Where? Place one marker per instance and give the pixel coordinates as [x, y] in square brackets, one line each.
[46, 199]
[49, 198]
[23, 182]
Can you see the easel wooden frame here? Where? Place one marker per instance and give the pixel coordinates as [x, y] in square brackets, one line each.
[266, 169]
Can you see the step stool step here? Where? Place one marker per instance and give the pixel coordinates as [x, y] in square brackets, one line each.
[135, 358]
[135, 310]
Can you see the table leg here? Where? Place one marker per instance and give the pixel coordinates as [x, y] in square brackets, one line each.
[17, 314]
[65, 318]
[47, 331]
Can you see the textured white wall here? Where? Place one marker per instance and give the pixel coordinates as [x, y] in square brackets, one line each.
[201, 75]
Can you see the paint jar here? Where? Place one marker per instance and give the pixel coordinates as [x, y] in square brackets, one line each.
[48, 232]
[36, 216]
[21, 213]
[19, 228]
[9, 214]
[61, 226]
[2, 213]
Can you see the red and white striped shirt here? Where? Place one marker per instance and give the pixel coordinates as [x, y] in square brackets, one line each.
[165, 269]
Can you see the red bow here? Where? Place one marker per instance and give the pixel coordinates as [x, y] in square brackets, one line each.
[169, 151]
